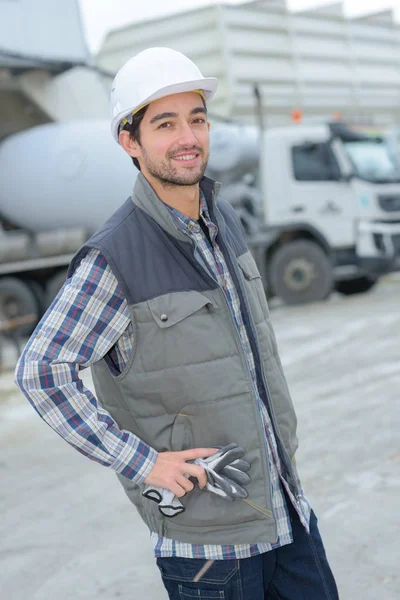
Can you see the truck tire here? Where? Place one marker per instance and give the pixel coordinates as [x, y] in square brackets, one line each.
[17, 299]
[39, 294]
[359, 285]
[300, 272]
[54, 285]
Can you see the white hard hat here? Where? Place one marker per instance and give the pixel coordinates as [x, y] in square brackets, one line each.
[152, 74]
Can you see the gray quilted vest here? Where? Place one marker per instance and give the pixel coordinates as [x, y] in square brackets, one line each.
[187, 383]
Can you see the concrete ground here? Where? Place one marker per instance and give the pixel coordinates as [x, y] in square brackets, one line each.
[68, 532]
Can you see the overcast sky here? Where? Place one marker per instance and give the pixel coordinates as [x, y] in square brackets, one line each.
[102, 15]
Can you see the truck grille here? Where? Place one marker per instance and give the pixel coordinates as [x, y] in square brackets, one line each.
[389, 203]
[396, 243]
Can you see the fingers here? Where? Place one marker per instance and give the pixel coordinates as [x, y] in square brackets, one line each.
[221, 451]
[214, 489]
[168, 498]
[241, 465]
[224, 484]
[173, 470]
[153, 493]
[197, 453]
[236, 475]
[185, 485]
[177, 489]
[226, 449]
[226, 459]
[171, 511]
[194, 470]
[198, 472]
[230, 487]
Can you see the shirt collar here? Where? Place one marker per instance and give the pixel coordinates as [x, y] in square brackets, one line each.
[187, 224]
[147, 200]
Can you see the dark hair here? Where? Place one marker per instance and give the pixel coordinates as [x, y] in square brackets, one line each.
[134, 127]
[134, 130]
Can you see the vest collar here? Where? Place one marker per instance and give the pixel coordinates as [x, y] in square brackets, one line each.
[145, 198]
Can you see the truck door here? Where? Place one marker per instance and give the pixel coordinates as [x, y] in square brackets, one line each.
[318, 193]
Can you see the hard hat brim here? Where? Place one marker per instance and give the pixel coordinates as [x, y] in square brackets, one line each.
[207, 84]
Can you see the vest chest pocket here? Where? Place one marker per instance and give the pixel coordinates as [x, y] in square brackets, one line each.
[254, 287]
[171, 309]
[179, 330]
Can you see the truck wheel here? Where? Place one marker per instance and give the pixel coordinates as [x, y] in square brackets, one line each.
[17, 299]
[300, 272]
[360, 285]
[54, 285]
[39, 294]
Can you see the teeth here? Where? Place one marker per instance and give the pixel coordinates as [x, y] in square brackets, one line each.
[186, 157]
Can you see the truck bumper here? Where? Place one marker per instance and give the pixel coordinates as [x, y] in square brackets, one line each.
[378, 247]
[378, 266]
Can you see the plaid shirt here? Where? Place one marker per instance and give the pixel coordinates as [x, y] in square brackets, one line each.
[90, 318]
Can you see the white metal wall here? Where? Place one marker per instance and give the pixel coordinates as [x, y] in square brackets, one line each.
[260, 51]
[316, 61]
[197, 33]
[49, 29]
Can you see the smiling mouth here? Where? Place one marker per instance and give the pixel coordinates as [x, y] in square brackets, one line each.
[186, 157]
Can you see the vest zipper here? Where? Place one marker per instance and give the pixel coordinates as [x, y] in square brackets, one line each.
[260, 421]
[285, 458]
[261, 509]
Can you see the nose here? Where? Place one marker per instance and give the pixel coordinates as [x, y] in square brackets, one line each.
[187, 136]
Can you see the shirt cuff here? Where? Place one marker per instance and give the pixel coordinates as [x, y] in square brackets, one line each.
[136, 461]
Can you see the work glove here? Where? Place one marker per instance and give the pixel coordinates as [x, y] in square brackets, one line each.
[168, 504]
[227, 474]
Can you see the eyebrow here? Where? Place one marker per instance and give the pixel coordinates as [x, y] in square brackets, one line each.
[172, 115]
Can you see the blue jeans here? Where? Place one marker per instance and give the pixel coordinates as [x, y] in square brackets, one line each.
[298, 571]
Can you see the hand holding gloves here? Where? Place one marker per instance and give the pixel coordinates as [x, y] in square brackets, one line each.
[227, 474]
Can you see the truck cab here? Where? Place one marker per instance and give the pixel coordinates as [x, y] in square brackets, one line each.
[329, 188]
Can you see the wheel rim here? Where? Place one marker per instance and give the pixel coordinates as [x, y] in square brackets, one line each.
[299, 274]
[10, 307]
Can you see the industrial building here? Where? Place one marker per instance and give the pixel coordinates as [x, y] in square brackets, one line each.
[316, 63]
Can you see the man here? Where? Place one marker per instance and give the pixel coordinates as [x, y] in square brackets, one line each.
[166, 305]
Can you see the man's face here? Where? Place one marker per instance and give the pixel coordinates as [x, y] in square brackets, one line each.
[174, 140]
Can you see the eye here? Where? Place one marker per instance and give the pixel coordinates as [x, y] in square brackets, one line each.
[199, 120]
[165, 125]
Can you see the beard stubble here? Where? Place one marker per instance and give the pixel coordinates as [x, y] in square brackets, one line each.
[168, 175]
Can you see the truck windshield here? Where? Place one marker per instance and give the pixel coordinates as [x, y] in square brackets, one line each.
[372, 161]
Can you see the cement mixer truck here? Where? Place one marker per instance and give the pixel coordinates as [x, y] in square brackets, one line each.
[58, 183]
[51, 196]
[320, 205]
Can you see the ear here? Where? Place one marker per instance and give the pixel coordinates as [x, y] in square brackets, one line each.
[130, 146]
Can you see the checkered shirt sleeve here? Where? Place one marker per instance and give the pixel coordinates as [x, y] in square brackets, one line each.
[87, 319]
